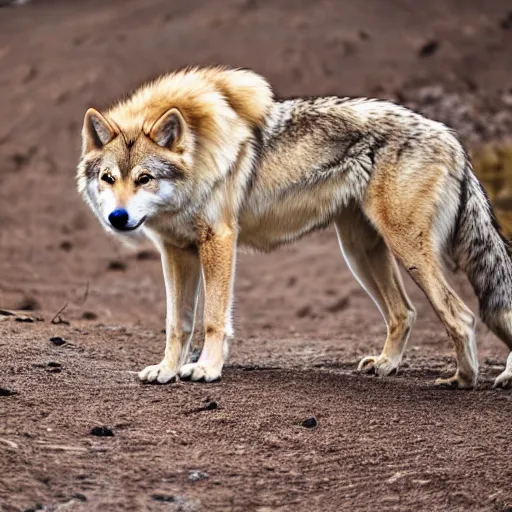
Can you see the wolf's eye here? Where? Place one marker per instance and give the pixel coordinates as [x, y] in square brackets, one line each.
[108, 178]
[144, 179]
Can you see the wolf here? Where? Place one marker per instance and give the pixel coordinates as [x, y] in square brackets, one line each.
[205, 160]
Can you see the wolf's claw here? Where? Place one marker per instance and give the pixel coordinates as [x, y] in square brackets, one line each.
[504, 379]
[379, 365]
[201, 371]
[160, 373]
[456, 382]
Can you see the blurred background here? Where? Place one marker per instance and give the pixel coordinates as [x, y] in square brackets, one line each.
[449, 59]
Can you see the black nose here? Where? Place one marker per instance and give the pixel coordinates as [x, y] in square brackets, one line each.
[118, 218]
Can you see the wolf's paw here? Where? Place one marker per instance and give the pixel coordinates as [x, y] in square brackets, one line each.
[201, 371]
[160, 373]
[379, 365]
[456, 382]
[503, 380]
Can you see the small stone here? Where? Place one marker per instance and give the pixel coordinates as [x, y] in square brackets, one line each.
[147, 255]
[428, 49]
[66, 245]
[309, 422]
[7, 392]
[53, 364]
[89, 315]
[166, 498]
[80, 497]
[58, 341]
[25, 319]
[117, 265]
[194, 475]
[339, 305]
[304, 311]
[37, 506]
[211, 406]
[102, 432]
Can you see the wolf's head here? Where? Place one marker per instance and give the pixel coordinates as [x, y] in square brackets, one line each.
[126, 181]
[165, 148]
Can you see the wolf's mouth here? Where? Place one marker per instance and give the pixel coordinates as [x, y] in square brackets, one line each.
[131, 228]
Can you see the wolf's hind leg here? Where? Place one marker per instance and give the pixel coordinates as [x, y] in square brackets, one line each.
[458, 319]
[408, 227]
[376, 270]
[500, 323]
[504, 379]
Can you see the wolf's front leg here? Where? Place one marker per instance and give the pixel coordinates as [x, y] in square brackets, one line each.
[181, 275]
[217, 257]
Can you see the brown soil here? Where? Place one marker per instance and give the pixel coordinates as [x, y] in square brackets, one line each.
[303, 322]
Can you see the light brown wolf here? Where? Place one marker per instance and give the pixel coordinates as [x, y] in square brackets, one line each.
[203, 161]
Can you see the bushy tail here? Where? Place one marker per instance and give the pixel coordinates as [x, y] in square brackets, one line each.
[485, 255]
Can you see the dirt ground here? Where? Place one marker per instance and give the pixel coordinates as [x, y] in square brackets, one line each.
[302, 321]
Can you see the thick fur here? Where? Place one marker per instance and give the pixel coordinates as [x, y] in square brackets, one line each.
[206, 160]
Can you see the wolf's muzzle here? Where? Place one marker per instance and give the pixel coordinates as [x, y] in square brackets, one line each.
[119, 218]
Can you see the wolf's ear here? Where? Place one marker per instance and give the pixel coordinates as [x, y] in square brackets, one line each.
[169, 129]
[96, 132]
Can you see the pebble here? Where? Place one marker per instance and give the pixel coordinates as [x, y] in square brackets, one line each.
[117, 265]
[211, 406]
[25, 319]
[194, 475]
[147, 255]
[7, 392]
[309, 422]
[339, 305]
[429, 49]
[102, 432]
[35, 508]
[66, 245]
[58, 341]
[304, 311]
[166, 498]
